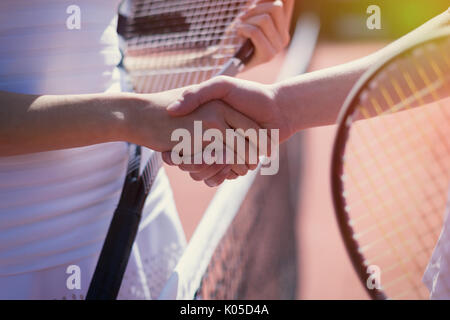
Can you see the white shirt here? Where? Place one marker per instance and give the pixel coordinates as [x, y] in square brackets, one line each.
[437, 274]
[55, 207]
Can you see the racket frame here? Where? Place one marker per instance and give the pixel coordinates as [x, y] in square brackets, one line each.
[344, 126]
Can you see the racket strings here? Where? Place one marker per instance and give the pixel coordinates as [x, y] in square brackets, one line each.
[399, 229]
[395, 198]
[380, 228]
[175, 43]
[397, 167]
[183, 5]
[388, 237]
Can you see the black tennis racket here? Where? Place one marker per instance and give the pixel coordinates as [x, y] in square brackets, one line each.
[169, 44]
[391, 166]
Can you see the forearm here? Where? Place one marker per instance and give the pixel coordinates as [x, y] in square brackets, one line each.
[31, 123]
[315, 99]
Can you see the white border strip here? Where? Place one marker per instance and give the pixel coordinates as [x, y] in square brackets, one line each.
[188, 273]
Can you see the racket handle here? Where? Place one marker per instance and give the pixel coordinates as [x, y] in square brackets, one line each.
[113, 260]
[245, 53]
[235, 64]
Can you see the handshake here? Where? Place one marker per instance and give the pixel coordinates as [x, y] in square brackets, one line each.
[216, 130]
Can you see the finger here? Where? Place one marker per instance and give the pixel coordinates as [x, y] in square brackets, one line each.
[277, 11]
[167, 158]
[218, 178]
[194, 96]
[250, 132]
[193, 167]
[232, 175]
[188, 162]
[240, 169]
[264, 22]
[288, 6]
[259, 40]
[237, 161]
[209, 172]
[245, 132]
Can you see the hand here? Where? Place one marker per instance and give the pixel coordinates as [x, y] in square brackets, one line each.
[254, 100]
[151, 126]
[266, 24]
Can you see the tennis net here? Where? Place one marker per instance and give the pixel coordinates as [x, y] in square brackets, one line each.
[245, 244]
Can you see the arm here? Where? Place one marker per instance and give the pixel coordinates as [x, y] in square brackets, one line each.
[315, 99]
[305, 101]
[302, 102]
[30, 123]
[299, 103]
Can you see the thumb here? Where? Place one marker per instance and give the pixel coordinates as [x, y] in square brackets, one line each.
[196, 95]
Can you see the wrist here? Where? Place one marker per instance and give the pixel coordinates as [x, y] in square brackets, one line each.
[123, 110]
[143, 119]
[281, 100]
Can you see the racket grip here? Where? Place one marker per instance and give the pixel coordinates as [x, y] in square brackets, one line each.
[235, 64]
[245, 53]
[113, 260]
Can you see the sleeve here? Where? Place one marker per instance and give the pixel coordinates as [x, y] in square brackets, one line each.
[437, 273]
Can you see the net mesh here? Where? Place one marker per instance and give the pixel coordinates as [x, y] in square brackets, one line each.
[174, 43]
[396, 167]
[256, 257]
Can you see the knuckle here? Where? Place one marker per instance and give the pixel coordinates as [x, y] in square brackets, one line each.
[212, 121]
[223, 80]
[188, 93]
[266, 18]
[220, 79]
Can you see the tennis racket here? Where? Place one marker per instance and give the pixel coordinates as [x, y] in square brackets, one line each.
[168, 44]
[391, 167]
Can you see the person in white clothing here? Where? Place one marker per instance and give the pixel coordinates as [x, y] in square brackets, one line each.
[63, 123]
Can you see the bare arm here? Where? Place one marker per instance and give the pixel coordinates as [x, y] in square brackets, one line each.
[31, 123]
[315, 99]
